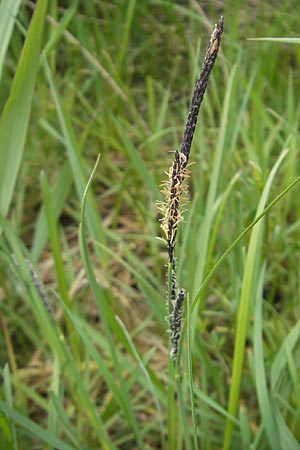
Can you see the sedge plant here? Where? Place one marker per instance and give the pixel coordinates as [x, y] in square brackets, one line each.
[85, 360]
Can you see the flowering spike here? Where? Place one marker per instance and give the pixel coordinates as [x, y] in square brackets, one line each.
[174, 187]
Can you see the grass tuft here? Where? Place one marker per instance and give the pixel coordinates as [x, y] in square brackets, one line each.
[85, 359]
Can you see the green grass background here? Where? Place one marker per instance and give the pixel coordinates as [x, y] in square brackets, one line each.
[115, 78]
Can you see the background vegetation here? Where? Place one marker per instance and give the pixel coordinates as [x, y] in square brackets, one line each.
[91, 369]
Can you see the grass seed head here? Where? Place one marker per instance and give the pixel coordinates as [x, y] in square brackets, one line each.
[171, 208]
[175, 322]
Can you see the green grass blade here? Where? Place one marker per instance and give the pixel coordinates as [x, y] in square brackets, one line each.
[183, 422]
[224, 256]
[214, 405]
[237, 240]
[280, 360]
[143, 370]
[77, 166]
[222, 202]
[137, 162]
[154, 297]
[35, 430]
[53, 422]
[105, 372]
[53, 336]
[283, 40]
[252, 261]
[190, 372]
[60, 192]
[124, 39]
[54, 240]
[58, 419]
[8, 13]
[60, 28]
[9, 401]
[61, 277]
[287, 440]
[215, 177]
[245, 429]
[15, 117]
[265, 404]
[104, 311]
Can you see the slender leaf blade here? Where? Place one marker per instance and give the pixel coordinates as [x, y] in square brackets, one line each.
[15, 118]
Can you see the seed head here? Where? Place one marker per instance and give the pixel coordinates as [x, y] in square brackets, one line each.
[171, 208]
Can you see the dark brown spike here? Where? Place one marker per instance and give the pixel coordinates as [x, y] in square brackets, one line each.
[200, 87]
[175, 322]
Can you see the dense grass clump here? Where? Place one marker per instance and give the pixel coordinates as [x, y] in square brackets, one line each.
[85, 357]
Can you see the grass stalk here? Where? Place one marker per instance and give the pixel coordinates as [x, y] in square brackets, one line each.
[17, 109]
[56, 251]
[105, 315]
[252, 261]
[172, 216]
[174, 188]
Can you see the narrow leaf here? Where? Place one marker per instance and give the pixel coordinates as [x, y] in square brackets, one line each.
[15, 118]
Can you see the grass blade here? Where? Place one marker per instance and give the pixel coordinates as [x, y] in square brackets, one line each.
[9, 401]
[77, 166]
[284, 40]
[252, 261]
[105, 315]
[208, 219]
[265, 404]
[8, 13]
[17, 108]
[35, 430]
[60, 192]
